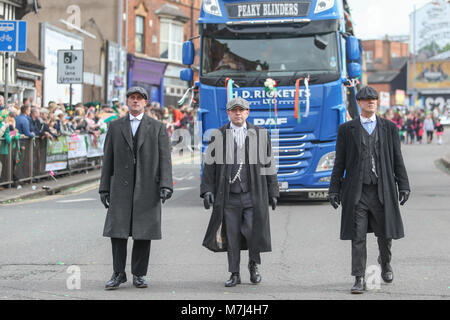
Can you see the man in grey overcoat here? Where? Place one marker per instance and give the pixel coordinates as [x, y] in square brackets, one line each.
[136, 176]
[239, 179]
[370, 179]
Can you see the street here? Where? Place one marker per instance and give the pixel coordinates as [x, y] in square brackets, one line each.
[40, 239]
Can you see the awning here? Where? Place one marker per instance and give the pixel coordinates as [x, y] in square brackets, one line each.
[145, 70]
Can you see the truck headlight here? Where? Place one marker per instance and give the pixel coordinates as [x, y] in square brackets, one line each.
[326, 162]
[323, 5]
[212, 7]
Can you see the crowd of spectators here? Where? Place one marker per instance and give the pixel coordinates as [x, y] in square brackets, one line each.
[57, 119]
[414, 125]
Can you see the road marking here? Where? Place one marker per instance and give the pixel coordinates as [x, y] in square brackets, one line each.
[186, 188]
[75, 200]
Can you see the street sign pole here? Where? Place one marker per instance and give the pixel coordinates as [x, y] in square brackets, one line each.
[6, 77]
[70, 89]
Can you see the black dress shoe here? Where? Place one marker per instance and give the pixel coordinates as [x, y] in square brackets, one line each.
[116, 279]
[255, 276]
[359, 286]
[139, 282]
[386, 271]
[234, 280]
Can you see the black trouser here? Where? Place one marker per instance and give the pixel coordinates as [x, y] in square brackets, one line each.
[139, 257]
[238, 214]
[368, 210]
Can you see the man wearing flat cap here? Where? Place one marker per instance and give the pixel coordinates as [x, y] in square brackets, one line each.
[370, 179]
[239, 181]
[136, 176]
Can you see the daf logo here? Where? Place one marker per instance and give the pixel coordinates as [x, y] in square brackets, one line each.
[269, 121]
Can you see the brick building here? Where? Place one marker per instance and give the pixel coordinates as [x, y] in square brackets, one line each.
[386, 69]
[155, 32]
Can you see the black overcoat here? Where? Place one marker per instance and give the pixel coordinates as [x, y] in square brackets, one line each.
[346, 179]
[135, 205]
[262, 186]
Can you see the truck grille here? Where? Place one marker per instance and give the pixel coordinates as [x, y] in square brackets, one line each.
[292, 153]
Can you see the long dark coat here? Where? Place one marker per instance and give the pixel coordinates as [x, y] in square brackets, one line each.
[261, 186]
[135, 204]
[346, 178]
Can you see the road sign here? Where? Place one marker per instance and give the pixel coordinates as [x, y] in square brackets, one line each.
[13, 36]
[70, 66]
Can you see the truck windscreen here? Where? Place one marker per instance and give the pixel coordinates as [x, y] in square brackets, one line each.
[262, 55]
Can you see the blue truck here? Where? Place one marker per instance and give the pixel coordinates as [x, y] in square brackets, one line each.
[296, 62]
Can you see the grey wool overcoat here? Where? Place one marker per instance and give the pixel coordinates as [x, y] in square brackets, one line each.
[135, 205]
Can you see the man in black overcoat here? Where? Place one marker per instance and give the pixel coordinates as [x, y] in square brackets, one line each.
[136, 176]
[369, 178]
[239, 179]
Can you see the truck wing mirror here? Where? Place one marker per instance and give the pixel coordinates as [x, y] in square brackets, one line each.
[353, 53]
[187, 74]
[188, 53]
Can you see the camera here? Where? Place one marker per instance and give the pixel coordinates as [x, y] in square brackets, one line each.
[69, 57]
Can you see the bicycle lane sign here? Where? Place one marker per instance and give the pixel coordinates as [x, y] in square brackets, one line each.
[13, 36]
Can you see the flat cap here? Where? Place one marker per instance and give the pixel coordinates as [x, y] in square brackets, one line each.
[238, 102]
[367, 93]
[139, 90]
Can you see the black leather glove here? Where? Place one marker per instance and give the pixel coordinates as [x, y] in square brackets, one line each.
[104, 197]
[208, 200]
[403, 196]
[335, 199]
[273, 201]
[165, 194]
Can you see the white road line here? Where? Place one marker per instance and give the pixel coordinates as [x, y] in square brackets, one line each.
[75, 200]
[186, 188]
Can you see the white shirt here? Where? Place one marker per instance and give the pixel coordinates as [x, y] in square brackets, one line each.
[239, 133]
[371, 119]
[134, 122]
[369, 123]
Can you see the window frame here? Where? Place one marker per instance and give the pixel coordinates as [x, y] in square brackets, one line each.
[171, 56]
[142, 35]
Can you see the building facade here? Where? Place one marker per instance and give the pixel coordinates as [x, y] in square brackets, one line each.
[21, 71]
[156, 30]
[82, 24]
[386, 65]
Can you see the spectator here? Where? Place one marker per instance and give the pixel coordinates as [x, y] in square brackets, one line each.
[45, 131]
[91, 124]
[428, 126]
[35, 121]
[410, 129]
[65, 126]
[2, 102]
[51, 126]
[439, 130]
[80, 125]
[23, 122]
[177, 115]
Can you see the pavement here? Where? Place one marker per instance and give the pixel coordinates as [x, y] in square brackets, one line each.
[59, 184]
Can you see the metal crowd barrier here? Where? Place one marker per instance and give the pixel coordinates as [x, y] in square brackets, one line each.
[34, 159]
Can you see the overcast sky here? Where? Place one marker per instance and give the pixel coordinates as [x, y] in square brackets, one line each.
[374, 19]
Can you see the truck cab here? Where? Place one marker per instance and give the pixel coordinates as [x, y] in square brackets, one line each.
[308, 50]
